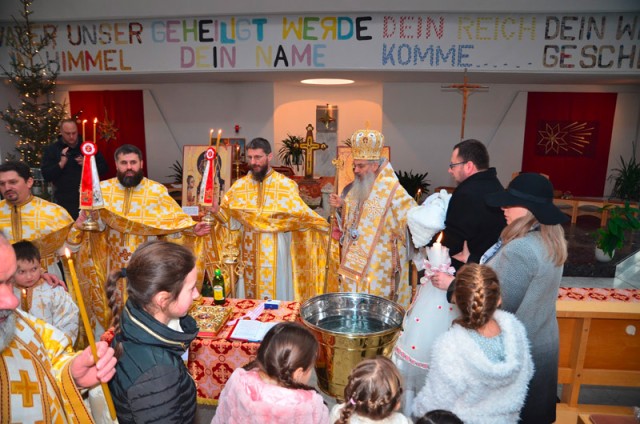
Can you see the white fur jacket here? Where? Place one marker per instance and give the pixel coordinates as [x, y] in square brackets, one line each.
[463, 380]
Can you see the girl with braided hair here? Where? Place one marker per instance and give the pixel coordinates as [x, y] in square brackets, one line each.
[373, 394]
[274, 387]
[481, 367]
[152, 332]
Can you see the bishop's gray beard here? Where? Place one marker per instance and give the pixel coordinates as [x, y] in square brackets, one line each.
[361, 187]
[7, 328]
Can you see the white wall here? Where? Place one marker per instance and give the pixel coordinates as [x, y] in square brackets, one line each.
[180, 114]
[295, 107]
[422, 123]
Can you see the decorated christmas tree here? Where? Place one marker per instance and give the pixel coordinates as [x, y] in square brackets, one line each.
[35, 121]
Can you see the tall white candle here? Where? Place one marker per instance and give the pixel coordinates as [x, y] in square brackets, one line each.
[436, 253]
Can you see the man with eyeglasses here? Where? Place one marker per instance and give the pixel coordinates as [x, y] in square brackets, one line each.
[469, 218]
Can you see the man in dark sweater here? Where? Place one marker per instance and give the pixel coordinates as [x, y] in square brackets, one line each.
[469, 218]
[62, 165]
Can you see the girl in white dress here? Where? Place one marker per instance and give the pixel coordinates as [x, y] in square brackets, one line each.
[429, 316]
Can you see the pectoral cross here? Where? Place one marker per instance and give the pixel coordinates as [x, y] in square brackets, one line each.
[466, 89]
[309, 146]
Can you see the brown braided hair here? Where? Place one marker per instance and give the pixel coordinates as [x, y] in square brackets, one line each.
[154, 267]
[286, 347]
[477, 294]
[373, 390]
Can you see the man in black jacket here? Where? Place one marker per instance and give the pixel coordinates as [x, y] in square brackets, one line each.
[62, 165]
[469, 218]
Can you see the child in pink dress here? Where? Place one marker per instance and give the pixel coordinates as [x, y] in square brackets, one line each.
[273, 388]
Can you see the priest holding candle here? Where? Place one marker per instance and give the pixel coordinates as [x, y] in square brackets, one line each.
[135, 210]
[282, 240]
[39, 357]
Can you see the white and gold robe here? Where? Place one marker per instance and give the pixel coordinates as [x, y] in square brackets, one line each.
[51, 304]
[272, 213]
[35, 380]
[43, 223]
[131, 216]
[374, 253]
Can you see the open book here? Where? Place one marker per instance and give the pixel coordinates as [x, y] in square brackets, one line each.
[250, 330]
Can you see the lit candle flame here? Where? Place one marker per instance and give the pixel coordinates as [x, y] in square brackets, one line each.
[211, 137]
[439, 238]
[218, 140]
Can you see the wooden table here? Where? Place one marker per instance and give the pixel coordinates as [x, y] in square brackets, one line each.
[212, 360]
[599, 343]
[578, 206]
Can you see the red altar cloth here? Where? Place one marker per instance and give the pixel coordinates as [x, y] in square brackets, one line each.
[585, 294]
[212, 360]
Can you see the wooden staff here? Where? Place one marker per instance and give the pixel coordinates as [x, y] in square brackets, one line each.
[332, 216]
[88, 330]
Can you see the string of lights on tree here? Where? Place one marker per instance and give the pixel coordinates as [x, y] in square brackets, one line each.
[35, 121]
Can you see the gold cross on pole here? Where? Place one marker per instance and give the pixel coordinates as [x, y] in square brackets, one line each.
[466, 89]
[309, 146]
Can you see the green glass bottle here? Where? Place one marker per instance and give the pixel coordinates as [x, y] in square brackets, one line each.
[218, 288]
[207, 290]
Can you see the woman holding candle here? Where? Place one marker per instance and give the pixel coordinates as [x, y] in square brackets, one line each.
[529, 260]
[152, 333]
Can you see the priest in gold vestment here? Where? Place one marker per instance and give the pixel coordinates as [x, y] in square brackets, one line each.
[24, 216]
[282, 241]
[374, 224]
[136, 209]
[40, 375]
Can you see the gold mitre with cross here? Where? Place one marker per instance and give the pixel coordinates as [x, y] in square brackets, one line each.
[367, 144]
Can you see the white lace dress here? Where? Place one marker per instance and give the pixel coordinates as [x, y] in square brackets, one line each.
[429, 316]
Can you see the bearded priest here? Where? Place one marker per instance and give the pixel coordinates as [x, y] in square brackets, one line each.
[283, 242]
[136, 209]
[374, 224]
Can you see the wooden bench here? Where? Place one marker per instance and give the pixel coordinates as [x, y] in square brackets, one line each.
[592, 206]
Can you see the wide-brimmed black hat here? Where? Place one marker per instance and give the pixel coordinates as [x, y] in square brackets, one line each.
[531, 191]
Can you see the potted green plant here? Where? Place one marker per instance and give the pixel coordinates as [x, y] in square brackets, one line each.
[414, 182]
[291, 154]
[176, 177]
[622, 219]
[626, 178]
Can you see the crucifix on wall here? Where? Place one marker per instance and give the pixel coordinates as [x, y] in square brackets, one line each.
[310, 146]
[466, 89]
[326, 132]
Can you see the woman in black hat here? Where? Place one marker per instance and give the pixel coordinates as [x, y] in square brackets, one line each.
[529, 260]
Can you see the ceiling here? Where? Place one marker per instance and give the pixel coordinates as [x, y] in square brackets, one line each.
[361, 77]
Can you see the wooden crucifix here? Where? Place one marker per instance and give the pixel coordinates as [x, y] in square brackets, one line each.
[466, 89]
[309, 146]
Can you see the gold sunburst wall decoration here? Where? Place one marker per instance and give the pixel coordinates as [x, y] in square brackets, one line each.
[107, 128]
[566, 138]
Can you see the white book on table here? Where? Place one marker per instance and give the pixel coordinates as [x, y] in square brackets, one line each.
[250, 330]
